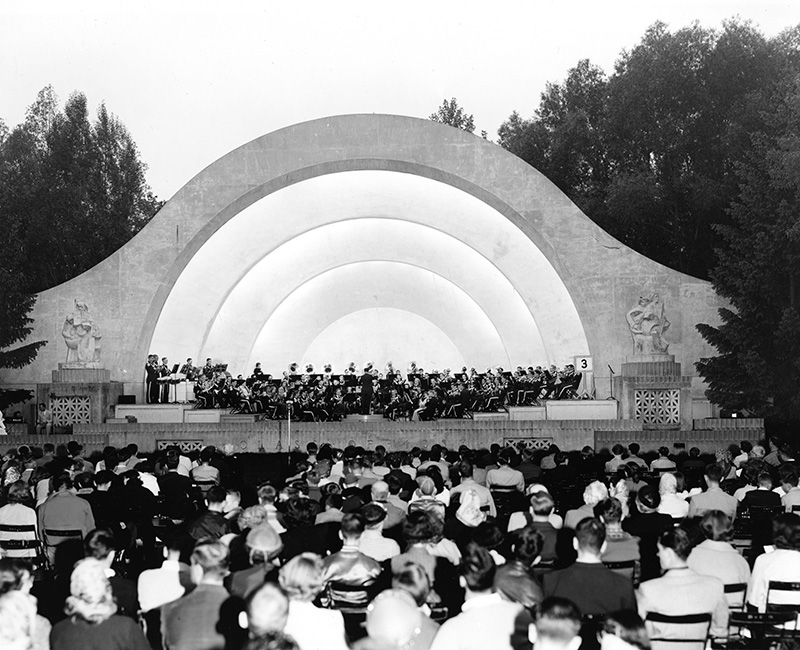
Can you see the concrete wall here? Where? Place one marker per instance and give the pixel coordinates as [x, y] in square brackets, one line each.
[577, 299]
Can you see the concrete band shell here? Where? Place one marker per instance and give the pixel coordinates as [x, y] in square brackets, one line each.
[523, 273]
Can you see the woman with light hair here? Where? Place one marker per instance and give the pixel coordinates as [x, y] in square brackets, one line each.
[312, 627]
[18, 622]
[594, 493]
[92, 622]
[16, 574]
[671, 504]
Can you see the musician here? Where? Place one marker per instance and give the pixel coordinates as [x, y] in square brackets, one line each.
[188, 370]
[258, 373]
[208, 370]
[163, 373]
[151, 379]
[366, 389]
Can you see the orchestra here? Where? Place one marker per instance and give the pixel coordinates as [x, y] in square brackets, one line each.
[328, 396]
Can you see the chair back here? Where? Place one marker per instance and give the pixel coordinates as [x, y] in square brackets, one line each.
[626, 568]
[55, 536]
[783, 596]
[735, 595]
[19, 540]
[688, 631]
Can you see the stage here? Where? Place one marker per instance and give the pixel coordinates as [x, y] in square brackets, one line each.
[242, 434]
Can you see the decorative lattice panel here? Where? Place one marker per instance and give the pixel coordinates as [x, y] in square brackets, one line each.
[185, 445]
[530, 443]
[658, 406]
[71, 409]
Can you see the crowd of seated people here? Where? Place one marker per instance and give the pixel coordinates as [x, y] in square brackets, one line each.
[502, 547]
[414, 394]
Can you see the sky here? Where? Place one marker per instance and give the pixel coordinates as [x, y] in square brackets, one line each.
[193, 80]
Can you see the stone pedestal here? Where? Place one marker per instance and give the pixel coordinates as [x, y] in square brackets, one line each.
[80, 395]
[653, 390]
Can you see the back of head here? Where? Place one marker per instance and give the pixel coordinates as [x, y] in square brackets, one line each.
[558, 621]
[717, 526]
[713, 473]
[786, 531]
[99, 543]
[267, 609]
[379, 491]
[594, 493]
[90, 592]
[590, 534]
[526, 544]
[212, 557]
[421, 526]
[609, 510]
[18, 492]
[628, 626]
[634, 448]
[216, 495]
[678, 540]
[267, 494]
[667, 484]
[17, 621]
[300, 512]
[414, 579]
[542, 504]
[648, 499]
[302, 577]
[477, 568]
[352, 526]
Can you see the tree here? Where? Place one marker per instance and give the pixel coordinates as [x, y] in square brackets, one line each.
[72, 191]
[451, 113]
[758, 366]
[649, 154]
[15, 325]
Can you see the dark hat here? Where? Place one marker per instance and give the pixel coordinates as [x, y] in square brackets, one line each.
[373, 514]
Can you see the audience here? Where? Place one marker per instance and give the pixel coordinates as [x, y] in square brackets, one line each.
[336, 528]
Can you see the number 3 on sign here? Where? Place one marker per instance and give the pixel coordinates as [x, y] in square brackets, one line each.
[583, 364]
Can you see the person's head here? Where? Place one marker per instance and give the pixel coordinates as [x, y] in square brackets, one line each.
[465, 469]
[526, 545]
[19, 492]
[302, 577]
[421, 526]
[48, 449]
[609, 511]
[393, 620]
[674, 547]
[215, 497]
[506, 456]
[300, 512]
[542, 504]
[415, 580]
[663, 452]
[647, 499]
[352, 527]
[477, 569]
[100, 545]
[379, 491]
[267, 610]
[667, 484]
[426, 486]
[15, 574]
[624, 630]
[786, 531]
[713, 474]
[62, 482]
[590, 537]
[209, 561]
[206, 455]
[618, 450]
[594, 493]
[717, 526]
[90, 592]
[17, 621]
[765, 480]
[267, 494]
[263, 544]
[373, 516]
[557, 625]
[251, 517]
[634, 448]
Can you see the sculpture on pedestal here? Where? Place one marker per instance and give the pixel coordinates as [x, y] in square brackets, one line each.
[82, 337]
[648, 324]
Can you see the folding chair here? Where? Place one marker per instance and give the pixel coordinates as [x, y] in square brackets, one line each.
[688, 630]
[783, 597]
[756, 631]
[20, 540]
[735, 594]
[626, 568]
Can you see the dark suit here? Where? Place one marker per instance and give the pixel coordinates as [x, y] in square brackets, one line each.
[648, 528]
[366, 393]
[151, 374]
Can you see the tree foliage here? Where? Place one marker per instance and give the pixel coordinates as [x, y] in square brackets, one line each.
[650, 152]
[758, 366]
[72, 191]
[451, 113]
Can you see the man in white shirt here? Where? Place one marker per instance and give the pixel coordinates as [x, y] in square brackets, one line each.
[504, 476]
[486, 619]
[372, 543]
